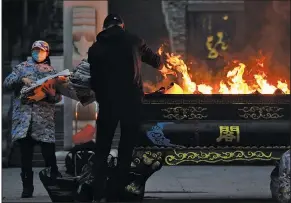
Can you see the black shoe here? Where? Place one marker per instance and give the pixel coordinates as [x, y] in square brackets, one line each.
[27, 183]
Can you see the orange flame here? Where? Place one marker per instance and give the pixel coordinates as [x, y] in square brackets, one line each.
[232, 83]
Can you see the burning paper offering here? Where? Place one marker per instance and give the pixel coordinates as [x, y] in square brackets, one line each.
[238, 77]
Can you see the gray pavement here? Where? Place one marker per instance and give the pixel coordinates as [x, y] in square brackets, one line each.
[181, 182]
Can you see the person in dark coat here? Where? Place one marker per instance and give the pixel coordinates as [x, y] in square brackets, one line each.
[115, 68]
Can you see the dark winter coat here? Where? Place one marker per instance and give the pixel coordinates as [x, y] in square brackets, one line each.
[115, 65]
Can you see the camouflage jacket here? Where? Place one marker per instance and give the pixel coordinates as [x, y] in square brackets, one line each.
[39, 116]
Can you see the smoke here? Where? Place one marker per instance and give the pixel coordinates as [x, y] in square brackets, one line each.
[267, 38]
[271, 35]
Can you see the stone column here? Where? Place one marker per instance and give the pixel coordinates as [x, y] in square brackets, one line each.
[175, 18]
[101, 12]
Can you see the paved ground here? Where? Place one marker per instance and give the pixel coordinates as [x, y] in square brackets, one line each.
[178, 184]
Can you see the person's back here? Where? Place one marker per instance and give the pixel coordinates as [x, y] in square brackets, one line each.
[115, 62]
[115, 68]
[114, 75]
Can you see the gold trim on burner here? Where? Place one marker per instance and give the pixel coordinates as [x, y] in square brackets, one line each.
[264, 112]
[147, 157]
[213, 157]
[185, 113]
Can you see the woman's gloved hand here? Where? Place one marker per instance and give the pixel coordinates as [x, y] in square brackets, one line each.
[49, 88]
[51, 95]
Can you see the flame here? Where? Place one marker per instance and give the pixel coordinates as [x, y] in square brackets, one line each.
[233, 82]
[237, 84]
[283, 86]
[174, 62]
[205, 89]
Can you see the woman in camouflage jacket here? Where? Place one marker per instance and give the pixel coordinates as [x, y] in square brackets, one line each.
[33, 123]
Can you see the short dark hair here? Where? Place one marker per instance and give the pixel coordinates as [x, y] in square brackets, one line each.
[112, 19]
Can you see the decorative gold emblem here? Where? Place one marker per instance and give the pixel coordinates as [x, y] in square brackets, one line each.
[212, 46]
[265, 112]
[228, 133]
[213, 157]
[181, 113]
[132, 188]
[147, 157]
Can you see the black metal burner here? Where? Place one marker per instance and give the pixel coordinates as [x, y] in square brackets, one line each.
[192, 129]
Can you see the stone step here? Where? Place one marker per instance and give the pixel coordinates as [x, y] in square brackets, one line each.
[59, 131]
[38, 163]
[59, 137]
[37, 157]
[115, 141]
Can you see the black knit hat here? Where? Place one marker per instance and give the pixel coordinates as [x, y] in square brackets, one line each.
[112, 19]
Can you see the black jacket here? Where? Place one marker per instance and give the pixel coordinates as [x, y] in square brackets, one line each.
[115, 65]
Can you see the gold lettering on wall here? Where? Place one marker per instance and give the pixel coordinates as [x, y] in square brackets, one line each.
[213, 46]
[228, 134]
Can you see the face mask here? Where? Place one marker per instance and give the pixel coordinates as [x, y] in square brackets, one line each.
[39, 55]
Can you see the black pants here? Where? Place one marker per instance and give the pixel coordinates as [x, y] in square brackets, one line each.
[108, 118]
[27, 147]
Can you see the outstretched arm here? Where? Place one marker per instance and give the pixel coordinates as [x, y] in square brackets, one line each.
[149, 57]
[154, 59]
